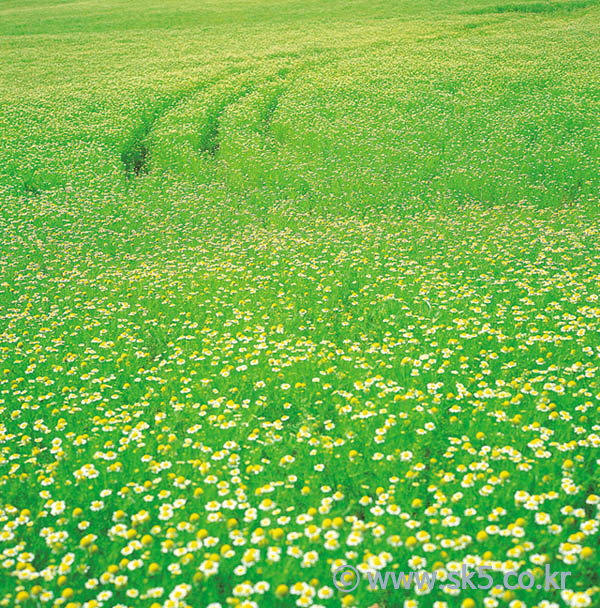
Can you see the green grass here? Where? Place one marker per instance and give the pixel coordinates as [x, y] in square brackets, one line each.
[285, 285]
[536, 7]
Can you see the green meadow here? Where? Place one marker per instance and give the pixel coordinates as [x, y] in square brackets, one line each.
[288, 285]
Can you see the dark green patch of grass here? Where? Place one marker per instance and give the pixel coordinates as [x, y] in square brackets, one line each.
[535, 7]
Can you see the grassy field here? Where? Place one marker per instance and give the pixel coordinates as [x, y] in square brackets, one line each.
[288, 284]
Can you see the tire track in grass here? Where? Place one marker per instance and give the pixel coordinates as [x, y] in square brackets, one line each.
[209, 141]
[186, 140]
[212, 143]
[189, 136]
[136, 149]
[271, 108]
[249, 145]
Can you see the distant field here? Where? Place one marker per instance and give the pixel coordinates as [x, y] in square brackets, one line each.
[290, 285]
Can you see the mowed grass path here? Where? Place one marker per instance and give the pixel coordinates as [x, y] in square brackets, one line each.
[286, 285]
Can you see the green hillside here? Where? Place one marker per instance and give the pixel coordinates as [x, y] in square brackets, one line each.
[290, 285]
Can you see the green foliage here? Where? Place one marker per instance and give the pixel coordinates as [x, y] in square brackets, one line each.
[286, 284]
[536, 7]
